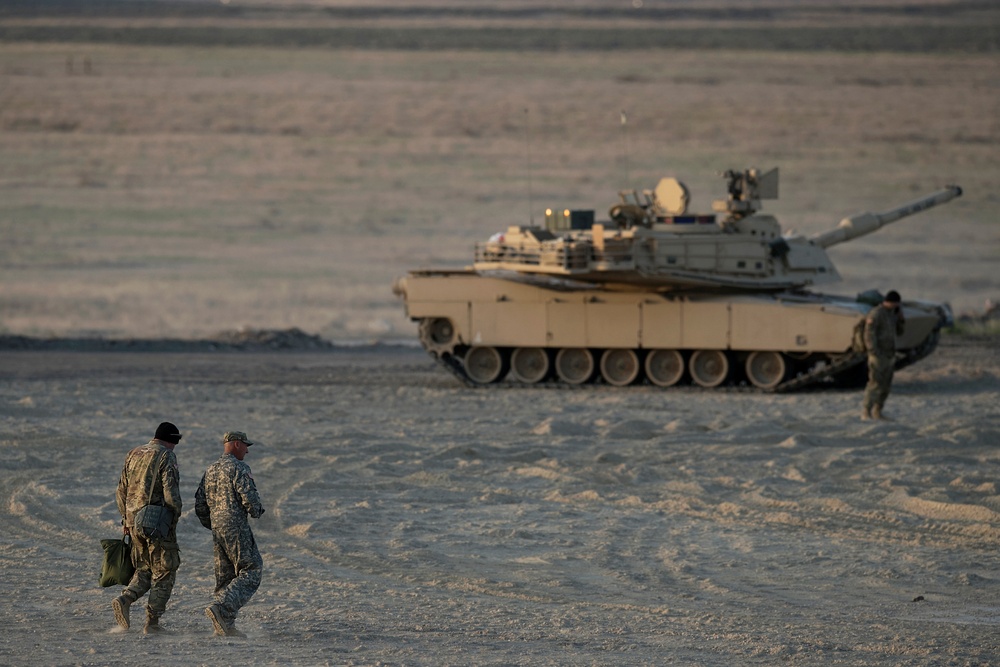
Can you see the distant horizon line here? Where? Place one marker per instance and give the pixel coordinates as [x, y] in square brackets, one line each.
[922, 39]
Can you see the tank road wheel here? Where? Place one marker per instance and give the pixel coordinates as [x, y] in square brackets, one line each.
[709, 368]
[664, 368]
[530, 364]
[574, 365]
[620, 367]
[766, 369]
[437, 335]
[484, 365]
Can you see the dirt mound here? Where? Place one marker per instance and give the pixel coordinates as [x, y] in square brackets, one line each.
[243, 339]
[288, 339]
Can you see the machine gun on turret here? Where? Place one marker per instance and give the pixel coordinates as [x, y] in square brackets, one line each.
[746, 188]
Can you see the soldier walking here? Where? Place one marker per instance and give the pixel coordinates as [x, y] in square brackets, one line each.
[225, 498]
[883, 323]
[150, 477]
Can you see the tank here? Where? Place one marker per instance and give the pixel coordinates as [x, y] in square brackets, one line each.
[659, 295]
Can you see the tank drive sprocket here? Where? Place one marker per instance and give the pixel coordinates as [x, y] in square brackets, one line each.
[438, 336]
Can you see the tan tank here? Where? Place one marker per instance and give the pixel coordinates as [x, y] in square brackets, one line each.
[660, 295]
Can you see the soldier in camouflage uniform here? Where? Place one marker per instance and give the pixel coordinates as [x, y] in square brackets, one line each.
[226, 496]
[883, 323]
[150, 477]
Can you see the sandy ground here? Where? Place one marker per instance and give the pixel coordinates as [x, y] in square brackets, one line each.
[413, 521]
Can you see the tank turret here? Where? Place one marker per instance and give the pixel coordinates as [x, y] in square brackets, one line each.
[651, 240]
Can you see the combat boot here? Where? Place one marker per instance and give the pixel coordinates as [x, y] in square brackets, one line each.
[866, 414]
[153, 626]
[214, 612]
[877, 414]
[231, 631]
[121, 605]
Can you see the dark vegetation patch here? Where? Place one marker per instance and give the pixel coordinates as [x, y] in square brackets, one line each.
[539, 10]
[965, 27]
[918, 39]
[256, 340]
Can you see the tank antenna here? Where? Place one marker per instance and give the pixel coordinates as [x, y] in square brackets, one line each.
[527, 143]
[625, 147]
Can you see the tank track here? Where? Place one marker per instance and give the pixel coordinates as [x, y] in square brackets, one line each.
[825, 372]
[918, 353]
[452, 364]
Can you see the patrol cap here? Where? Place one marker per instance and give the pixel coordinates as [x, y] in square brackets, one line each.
[893, 296]
[236, 435]
[167, 432]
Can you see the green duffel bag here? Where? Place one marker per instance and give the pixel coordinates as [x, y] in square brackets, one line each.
[117, 568]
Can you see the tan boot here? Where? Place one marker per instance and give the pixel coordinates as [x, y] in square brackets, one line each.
[214, 612]
[120, 605]
[866, 414]
[153, 626]
[231, 631]
[877, 414]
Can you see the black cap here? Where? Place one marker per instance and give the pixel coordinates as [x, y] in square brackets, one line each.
[167, 432]
[893, 296]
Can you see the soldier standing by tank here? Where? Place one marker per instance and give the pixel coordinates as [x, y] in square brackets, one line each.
[226, 495]
[883, 323]
[150, 477]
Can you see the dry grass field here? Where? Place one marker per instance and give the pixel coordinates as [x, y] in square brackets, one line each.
[153, 190]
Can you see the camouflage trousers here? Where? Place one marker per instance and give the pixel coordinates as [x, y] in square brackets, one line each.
[156, 564]
[880, 371]
[238, 569]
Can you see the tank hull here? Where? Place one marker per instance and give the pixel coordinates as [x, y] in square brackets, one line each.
[491, 329]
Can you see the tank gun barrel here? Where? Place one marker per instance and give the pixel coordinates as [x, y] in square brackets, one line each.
[867, 222]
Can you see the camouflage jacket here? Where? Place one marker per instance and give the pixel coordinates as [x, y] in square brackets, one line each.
[141, 485]
[226, 495]
[882, 325]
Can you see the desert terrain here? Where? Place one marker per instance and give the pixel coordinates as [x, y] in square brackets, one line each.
[176, 177]
[413, 521]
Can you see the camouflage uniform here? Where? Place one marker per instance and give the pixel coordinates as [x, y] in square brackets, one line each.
[156, 561]
[882, 325]
[225, 496]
